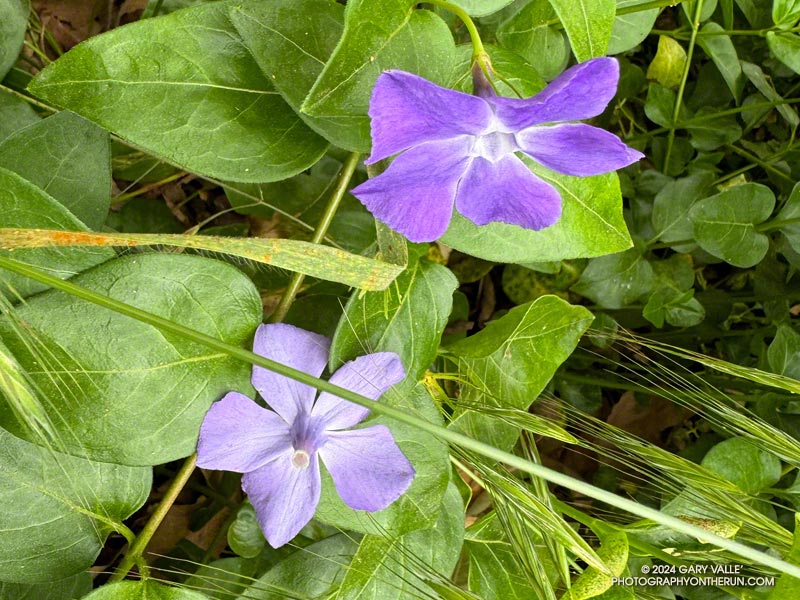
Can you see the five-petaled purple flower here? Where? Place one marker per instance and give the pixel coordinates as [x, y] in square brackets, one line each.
[278, 451]
[460, 149]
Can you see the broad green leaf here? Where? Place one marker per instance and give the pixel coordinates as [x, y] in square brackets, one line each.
[15, 114]
[680, 309]
[631, 28]
[291, 41]
[22, 204]
[706, 10]
[58, 509]
[509, 363]
[756, 12]
[592, 582]
[152, 390]
[758, 79]
[379, 35]
[667, 66]
[745, 465]
[199, 98]
[531, 33]
[244, 535]
[785, 13]
[66, 589]
[787, 586]
[143, 590]
[783, 353]
[588, 24]
[708, 131]
[311, 572]
[786, 48]
[482, 8]
[591, 224]
[225, 578]
[418, 507]
[68, 157]
[407, 318]
[12, 31]
[509, 68]
[394, 568]
[671, 208]
[789, 218]
[720, 49]
[724, 224]
[616, 280]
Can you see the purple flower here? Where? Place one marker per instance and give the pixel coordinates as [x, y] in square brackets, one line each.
[460, 149]
[278, 451]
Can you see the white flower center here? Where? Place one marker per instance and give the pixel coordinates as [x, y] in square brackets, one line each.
[301, 459]
[494, 143]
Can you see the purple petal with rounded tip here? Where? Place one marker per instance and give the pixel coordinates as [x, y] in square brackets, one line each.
[580, 92]
[576, 149]
[507, 191]
[295, 348]
[368, 468]
[407, 110]
[238, 435]
[285, 497]
[415, 194]
[370, 375]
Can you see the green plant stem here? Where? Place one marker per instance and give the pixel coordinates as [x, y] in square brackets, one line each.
[403, 416]
[319, 234]
[134, 554]
[479, 54]
[682, 87]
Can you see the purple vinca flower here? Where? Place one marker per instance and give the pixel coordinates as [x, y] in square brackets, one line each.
[461, 149]
[278, 451]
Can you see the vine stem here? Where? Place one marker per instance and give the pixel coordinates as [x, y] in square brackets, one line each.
[134, 554]
[404, 416]
[479, 54]
[319, 234]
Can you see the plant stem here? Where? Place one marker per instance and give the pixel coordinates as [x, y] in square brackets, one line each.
[478, 51]
[319, 234]
[403, 416]
[134, 554]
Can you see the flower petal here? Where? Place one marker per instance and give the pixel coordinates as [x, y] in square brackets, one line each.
[295, 348]
[284, 497]
[415, 194]
[369, 469]
[507, 191]
[370, 375]
[577, 149]
[407, 110]
[238, 435]
[580, 92]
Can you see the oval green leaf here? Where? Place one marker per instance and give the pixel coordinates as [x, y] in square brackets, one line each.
[143, 590]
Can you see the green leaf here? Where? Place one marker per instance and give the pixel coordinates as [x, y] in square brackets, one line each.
[591, 225]
[531, 33]
[588, 24]
[742, 463]
[311, 572]
[394, 568]
[15, 114]
[408, 318]
[508, 65]
[721, 50]
[98, 362]
[630, 29]
[379, 35]
[680, 309]
[291, 41]
[482, 8]
[786, 48]
[58, 509]
[12, 31]
[724, 224]
[616, 280]
[65, 589]
[708, 131]
[509, 363]
[785, 13]
[592, 582]
[789, 218]
[225, 578]
[143, 590]
[671, 208]
[202, 109]
[418, 507]
[758, 79]
[667, 65]
[244, 535]
[22, 204]
[783, 353]
[788, 586]
[69, 158]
